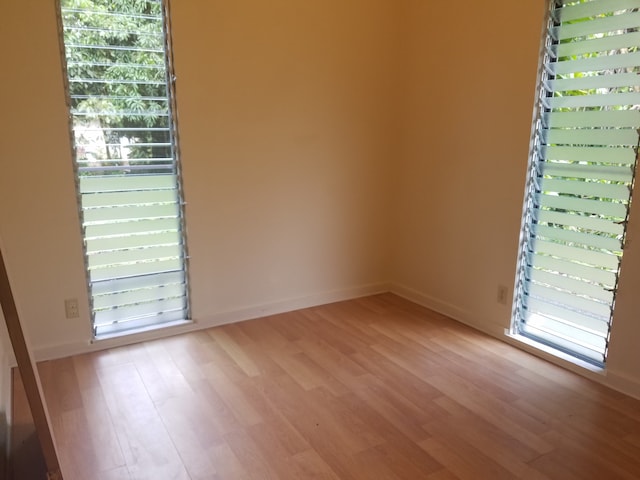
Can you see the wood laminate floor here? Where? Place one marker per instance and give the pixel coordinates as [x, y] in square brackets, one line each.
[375, 388]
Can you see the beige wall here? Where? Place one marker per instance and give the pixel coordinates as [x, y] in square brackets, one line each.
[330, 148]
[38, 213]
[469, 95]
[284, 117]
[623, 363]
[284, 111]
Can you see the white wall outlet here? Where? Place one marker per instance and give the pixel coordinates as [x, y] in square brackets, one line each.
[71, 309]
[503, 293]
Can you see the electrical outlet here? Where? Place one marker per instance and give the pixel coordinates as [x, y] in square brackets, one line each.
[71, 309]
[502, 294]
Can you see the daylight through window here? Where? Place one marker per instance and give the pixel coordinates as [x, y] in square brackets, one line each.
[121, 103]
[581, 175]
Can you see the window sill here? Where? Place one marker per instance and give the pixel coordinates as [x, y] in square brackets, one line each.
[143, 333]
[548, 353]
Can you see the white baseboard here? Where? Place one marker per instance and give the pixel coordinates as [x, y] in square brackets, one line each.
[624, 383]
[620, 382]
[52, 352]
[444, 308]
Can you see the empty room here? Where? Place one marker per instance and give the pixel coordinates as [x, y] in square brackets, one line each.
[320, 239]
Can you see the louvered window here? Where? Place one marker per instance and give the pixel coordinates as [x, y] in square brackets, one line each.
[582, 169]
[122, 112]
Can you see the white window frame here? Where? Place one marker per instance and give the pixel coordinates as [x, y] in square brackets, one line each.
[576, 206]
[131, 208]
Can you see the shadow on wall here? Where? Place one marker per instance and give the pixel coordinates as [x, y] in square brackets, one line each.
[4, 444]
[27, 461]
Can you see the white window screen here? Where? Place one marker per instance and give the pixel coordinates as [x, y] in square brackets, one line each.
[121, 102]
[582, 170]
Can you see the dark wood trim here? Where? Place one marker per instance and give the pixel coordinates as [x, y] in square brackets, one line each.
[29, 376]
